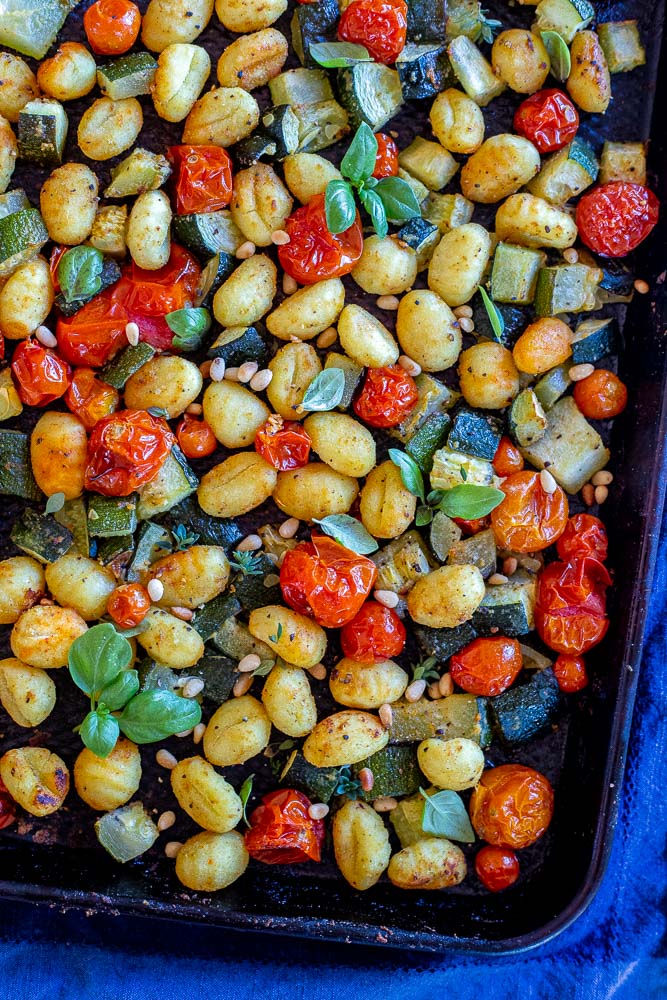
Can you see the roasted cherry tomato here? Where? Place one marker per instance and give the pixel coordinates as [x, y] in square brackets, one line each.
[601, 396]
[386, 161]
[129, 604]
[511, 806]
[614, 218]
[125, 451]
[570, 672]
[195, 437]
[584, 535]
[548, 118]
[386, 397]
[281, 831]
[508, 458]
[2, 347]
[7, 807]
[375, 634]
[90, 398]
[313, 253]
[202, 179]
[379, 25]
[40, 375]
[487, 666]
[95, 333]
[497, 867]
[528, 519]
[57, 254]
[284, 444]
[570, 608]
[472, 526]
[326, 581]
[147, 296]
[112, 26]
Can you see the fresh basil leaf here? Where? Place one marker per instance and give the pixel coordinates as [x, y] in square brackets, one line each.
[118, 693]
[244, 794]
[398, 199]
[495, 316]
[445, 816]
[335, 55]
[559, 54]
[99, 731]
[359, 161]
[189, 327]
[470, 502]
[347, 531]
[339, 206]
[411, 474]
[97, 657]
[129, 632]
[423, 516]
[372, 202]
[325, 391]
[79, 273]
[55, 503]
[154, 714]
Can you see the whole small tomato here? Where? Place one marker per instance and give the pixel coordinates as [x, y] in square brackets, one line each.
[39, 374]
[497, 867]
[313, 253]
[195, 437]
[7, 807]
[326, 581]
[487, 666]
[584, 535]
[379, 25]
[601, 396]
[570, 608]
[96, 332]
[386, 397]
[508, 458]
[90, 398]
[528, 519]
[511, 806]
[614, 218]
[126, 450]
[375, 634]
[281, 831]
[548, 119]
[129, 604]
[202, 178]
[283, 444]
[386, 161]
[112, 26]
[570, 672]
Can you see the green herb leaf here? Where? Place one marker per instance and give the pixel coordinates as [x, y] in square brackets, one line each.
[434, 497]
[347, 531]
[244, 795]
[470, 502]
[189, 327]
[180, 539]
[79, 273]
[495, 316]
[559, 54]
[487, 27]
[334, 55]
[339, 206]
[411, 474]
[55, 503]
[423, 516]
[278, 635]
[97, 657]
[117, 694]
[359, 162]
[373, 205]
[398, 199]
[264, 669]
[325, 391]
[247, 563]
[426, 670]
[347, 785]
[445, 816]
[99, 731]
[155, 714]
[464, 473]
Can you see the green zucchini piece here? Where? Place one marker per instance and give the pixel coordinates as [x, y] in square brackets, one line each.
[234, 640]
[22, 236]
[320, 125]
[594, 339]
[553, 385]
[109, 275]
[401, 563]
[352, 372]
[311, 24]
[424, 71]
[571, 448]
[110, 550]
[219, 675]
[146, 550]
[567, 17]
[129, 76]
[208, 233]
[427, 20]
[566, 288]
[514, 273]
[111, 517]
[281, 126]
[508, 608]
[514, 320]
[434, 397]
[527, 421]
[447, 466]
[423, 236]
[525, 710]
[457, 716]
[222, 531]
[479, 550]
[473, 71]
[371, 93]
[213, 275]
[31, 26]
[173, 483]
[429, 162]
[13, 201]
[108, 232]
[475, 433]
[406, 820]
[444, 534]
[444, 642]
[40, 536]
[210, 619]
[617, 283]
[447, 211]
[16, 478]
[42, 132]
[239, 344]
[622, 46]
[318, 783]
[251, 150]
[623, 161]
[395, 772]
[153, 676]
[140, 171]
[565, 174]
[300, 86]
[425, 442]
[73, 516]
[133, 357]
[464, 18]
[126, 833]
[252, 591]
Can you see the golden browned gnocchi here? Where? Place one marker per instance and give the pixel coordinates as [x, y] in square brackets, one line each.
[292, 636]
[500, 166]
[106, 783]
[446, 597]
[435, 863]
[211, 861]
[307, 174]
[428, 331]
[308, 311]
[221, 117]
[361, 844]
[458, 263]
[42, 636]
[22, 584]
[76, 581]
[315, 491]
[233, 413]
[8, 154]
[252, 60]
[148, 235]
[455, 764]
[363, 685]
[457, 121]
[293, 368]
[237, 731]
[488, 375]
[169, 21]
[344, 738]
[365, 339]
[192, 577]
[247, 294]
[19, 85]
[240, 483]
[520, 59]
[170, 641]
[289, 701]
[70, 73]
[589, 83]
[37, 778]
[386, 506]
[108, 127]
[533, 222]
[58, 452]
[182, 71]
[249, 15]
[167, 381]
[386, 266]
[27, 694]
[26, 299]
[260, 203]
[342, 442]
[205, 795]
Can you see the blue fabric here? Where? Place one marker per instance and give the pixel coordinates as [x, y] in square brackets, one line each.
[618, 948]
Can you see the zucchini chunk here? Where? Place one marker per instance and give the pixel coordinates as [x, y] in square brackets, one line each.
[209, 530]
[424, 443]
[174, 482]
[424, 71]
[514, 273]
[473, 71]
[22, 236]
[371, 93]
[219, 675]
[31, 27]
[567, 288]
[311, 24]
[401, 563]
[109, 275]
[112, 517]
[210, 619]
[565, 174]
[16, 478]
[214, 274]
[318, 783]
[42, 131]
[571, 449]
[113, 550]
[419, 190]
[447, 211]
[238, 345]
[527, 420]
[594, 339]
[444, 642]
[234, 640]
[251, 150]
[427, 20]
[153, 676]
[133, 357]
[13, 201]
[553, 385]
[395, 772]
[40, 536]
[429, 162]
[621, 45]
[208, 233]
[423, 236]
[475, 433]
[251, 590]
[281, 126]
[140, 171]
[459, 715]
[623, 161]
[147, 549]
[447, 466]
[479, 550]
[514, 321]
[527, 709]
[567, 17]
[444, 535]
[73, 516]
[508, 608]
[300, 86]
[126, 832]
[129, 76]
[352, 372]
[320, 125]
[433, 397]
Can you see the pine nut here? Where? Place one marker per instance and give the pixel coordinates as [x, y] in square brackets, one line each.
[588, 494]
[48, 339]
[172, 848]
[271, 580]
[446, 685]
[409, 366]
[155, 590]
[386, 597]
[463, 312]
[280, 238]
[386, 715]
[195, 409]
[532, 565]
[184, 734]
[602, 478]
[289, 528]
[166, 820]
[232, 375]
[385, 804]
[570, 255]
[245, 251]
[434, 691]
[318, 672]
[318, 810]
[205, 369]
[249, 663]
[642, 287]
[218, 369]
[496, 579]
[579, 372]
[366, 779]
[242, 686]
[388, 302]
[601, 494]
[467, 325]
[185, 614]
[251, 543]
[289, 284]
[294, 339]
[414, 691]
[547, 482]
[247, 370]
[166, 759]
[261, 380]
[327, 337]
[193, 687]
[510, 565]
[132, 334]
[198, 732]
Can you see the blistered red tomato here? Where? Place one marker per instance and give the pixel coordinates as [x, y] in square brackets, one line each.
[202, 178]
[112, 26]
[57, 254]
[570, 672]
[39, 374]
[528, 519]
[95, 333]
[386, 397]
[90, 398]
[614, 218]
[129, 604]
[548, 119]
[497, 867]
[313, 253]
[584, 535]
[472, 526]
[281, 831]
[379, 25]
[148, 296]
[570, 612]
[601, 396]
[375, 634]
[195, 437]
[511, 806]
[487, 666]
[508, 458]
[326, 581]
[7, 807]
[126, 450]
[386, 161]
[284, 444]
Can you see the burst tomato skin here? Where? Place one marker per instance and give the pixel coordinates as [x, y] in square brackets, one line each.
[584, 535]
[90, 398]
[95, 333]
[202, 180]
[601, 396]
[614, 218]
[570, 612]
[570, 672]
[40, 375]
[195, 437]
[126, 450]
[148, 296]
[281, 831]
[472, 526]
[326, 581]
[284, 444]
[512, 806]
[508, 458]
[314, 253]
[497, 867]
[528, 519]
[112, 26]
[386, 396]
[129, 604]
[386, 161]
[375, 634]
[7, 807]
[487, 666]
[378, 25]
[548, 119]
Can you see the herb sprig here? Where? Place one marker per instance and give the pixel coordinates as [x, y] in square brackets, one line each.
[468, 501]
[179, 539]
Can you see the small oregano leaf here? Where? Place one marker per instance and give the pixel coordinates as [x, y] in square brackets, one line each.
[244, 794]
[495, 316]
[349, 532]
[559, 54]
[470, 502]
[54, 503]
[336, 55]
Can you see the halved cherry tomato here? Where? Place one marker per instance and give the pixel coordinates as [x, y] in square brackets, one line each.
[202, 179]
[570, 672]
[601, 396]
[374, 634]
[511, 806]
[284, 444]
[386, 161]
[379, 25]
[497, 867]
[584, 535]
[281, 831]
[148, 296]
[129, 604]
[7, 807]
[528, 519]
[570, 612]
[90, 398]
[96, 332]
[614, 218]
[386, 396]
[313, 253]
[548, 119]
[195, 437]
[326, 581]
[39, 374]
[125, 451]
[112, 26]
[473, 526]
[487, 666]
[508, 458]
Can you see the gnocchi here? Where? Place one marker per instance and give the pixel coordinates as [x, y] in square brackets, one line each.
[77, 582]
[169, 640]
[252, 60]
[58, 452]
[367, 686]
[167, 22]
[240, 483]
[182, 72]
[221, 117]
[22, 584]
[315, 491]
[342, 442]
[68, 201]
[292, 636]
[435, 863]
[107, 128]
[344, 738]
[26, 299]
[308, 311]
[247, 294]
[192, 577]
[205, 795]
[237, 731]
[289, 701]
[43, 634]
[166, 381]
[454, 764]
[386, 505]
[428, 331]
[459, 262]
[148, 234]
[293, 368]
[211, 861]
[249, 15]
[361, 844]
[27, 694]
[365, 339]
[260, 203]
[106, 783]
[36, 778]
[447, 596]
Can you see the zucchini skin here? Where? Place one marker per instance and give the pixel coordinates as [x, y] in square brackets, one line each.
[109, 276]
[16, 478]
[313, 23]
[475, 433]
[251, 590]
[524, 711]
[211, 530]
[424, 71]
[133, 357]
[209, 619]
[39, 535]
[250, 346]
[219, 674]
[395, 772]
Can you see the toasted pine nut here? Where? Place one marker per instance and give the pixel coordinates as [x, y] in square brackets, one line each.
[601, 494]
[193, 687]
[132, 334]
[242, 686]
[409, 366]
[570, 255]
[271, 580]
[386, 715]
[245, 251]
[247, 370]
[385, 804]
[185, 614]
[579, 372]
[218, 369]
[496, 579]
[642, 287]
[588, 494]
[366, 779]
[386, 597]
[327, 337]
[463, 312]
[414, 691]
[184, 734]
[198, 732]
[166, 820]
[195, 409]
[434, 691]
[155, 590]
[466, 324]
[289, 528]
[166, 759]
[510, 565]
[205, 369]
[547, 482]
[318, 810]
[232, 374]
[603, 478]
[318, 672]
[388, 302]
[172, 848]
[251, 543]
[48, 339]
[289, 284]
[446, 685]
[280, 238]
[249, 663]
[261, 380]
